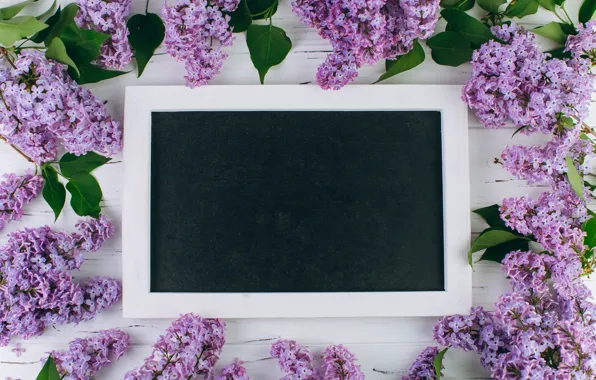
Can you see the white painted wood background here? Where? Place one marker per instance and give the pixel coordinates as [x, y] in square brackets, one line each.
[385, 346]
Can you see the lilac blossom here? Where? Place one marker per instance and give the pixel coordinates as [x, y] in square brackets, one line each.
[364, 32]
[85, 357]
[424, 365]
[340, 364]
[516, 82]
[583, 44]
[196, 34]
[109, 17]
[234, 371]
[294, 360]
[15, 192]
[37, 291]
[190, 348]
[42, 106]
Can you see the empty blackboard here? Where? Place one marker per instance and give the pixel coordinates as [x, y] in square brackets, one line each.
[296, 201]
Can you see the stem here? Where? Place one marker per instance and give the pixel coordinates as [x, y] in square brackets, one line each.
[566, 14]
[147, 6]
[5, 53]
[17, 149]
[23, 43]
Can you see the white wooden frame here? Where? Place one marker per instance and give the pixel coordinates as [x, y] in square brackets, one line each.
[140, 302]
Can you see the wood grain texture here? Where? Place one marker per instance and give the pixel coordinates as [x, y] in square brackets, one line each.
[385, 346]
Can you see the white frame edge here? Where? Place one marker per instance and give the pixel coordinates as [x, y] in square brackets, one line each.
[139, 302]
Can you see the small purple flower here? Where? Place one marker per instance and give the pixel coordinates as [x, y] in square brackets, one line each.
[340, 364]
[85, 357]
[423, 367]
[234, 371]
[18, 350]
[583, 44]
[294, 360]
[190, 348]
[16, 192]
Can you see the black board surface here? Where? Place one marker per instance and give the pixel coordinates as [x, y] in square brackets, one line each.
[296, 201]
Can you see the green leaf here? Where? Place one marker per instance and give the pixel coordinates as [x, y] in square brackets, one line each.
[53, 191]
[18, 28]
[41, 36]
[268, 46]
[565, 121]
[65, 18]
[559, 53]
[146, 32]
[50, 10]
[464, 5]
[589, 227]
[492, 216]
[83, 46]
[574, 178]
[586, 11]
[474, 30]
[404, 62]
[85, 194]
[552, 31]
[49, 371]
[9, 12]
[241, 18]
[521, 8]
[490, 238]
[450, 48]
[260, 9]
[438, 363]
[71, 164]
[547, 4]
[57, 52]
[498, 252]
[491, 6]
[92, 74]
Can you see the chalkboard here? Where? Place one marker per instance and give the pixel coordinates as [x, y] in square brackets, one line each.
[296, 201]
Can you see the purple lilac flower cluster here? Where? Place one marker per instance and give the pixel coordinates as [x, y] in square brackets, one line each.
[294, 360]
[42, 105]
[424, 365]
[535, 332]
[196, 33]
[583, 44]
[234, 371]
[190, 348]
[515, 81]
[15, 192]
[37, 291]
[85, 357]
[108, 16]
[340, 364]
[363, 32]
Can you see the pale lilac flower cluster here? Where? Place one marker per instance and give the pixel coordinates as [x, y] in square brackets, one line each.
[85, 357]
[15, 192]
[537, 331]
[196, 33]
[109, 17]
[234, 371]
[545, 164]
[424, 365]
[364, 32]
[340, 364]
[583, 44]
[295, 360]
[516, 82]
[554, 219]
[37, 291]
[190, 348]
[41, 106]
